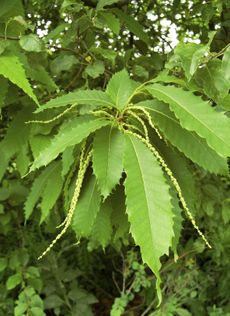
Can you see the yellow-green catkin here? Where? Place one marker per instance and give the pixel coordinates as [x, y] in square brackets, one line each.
[102, 113]
[81, 161]
[66, 189]
[82, 169]
[54, 118]
[148, 117]
[175, 183]
[130, 112]
[121, 127]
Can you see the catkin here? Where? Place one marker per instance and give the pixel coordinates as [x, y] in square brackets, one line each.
[82, 169]
[142, 123]
[54, 118]
[148, 116]
[102, 112]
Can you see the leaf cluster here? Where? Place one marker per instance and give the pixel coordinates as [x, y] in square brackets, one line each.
[104, 134]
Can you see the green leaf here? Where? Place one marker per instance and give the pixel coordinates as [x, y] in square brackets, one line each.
[140, 71]
[37, 301]
[51, 191]
[20, 309]
[54, 34]
[4, 163]
[134, 26]
[72, 134]
[37, 311]
[96, 69]
[107, 158]
[191, 55]
[53, 301]
[109, 19]
[120, 88]
[211, 78]
[3, 45]
[67, 160]
[92, 97]
[225, 211]
[102, 228]
[39, 73]
[22, 22]
[164, 77]
[105, 53]
[194, 147]
[10, 8]
[226, 64]
[225, 103]
[180, 169]
[3, 91]
[86, 209]
[33, 272]
[103, 3]
[12, 69]
[27, 292]
[13, 281]
[4, 193]
[148, 204]
[63, 63]
[178, 219]
[39, 185]
[3, 264]
[12, 145]
[38, 143]
[196, 115]
[31, 43]
[18, 258]
[23, 160]
[119, 216]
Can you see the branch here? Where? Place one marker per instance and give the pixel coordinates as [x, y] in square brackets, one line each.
[221, 52]
[13, 38]
[215, 55]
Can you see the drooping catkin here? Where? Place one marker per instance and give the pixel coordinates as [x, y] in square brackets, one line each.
[174, 181]
[141, 122]
[148, 117]
[127, 126]
[80, 177]
[81, 159]
[54, 118]
[66, 189]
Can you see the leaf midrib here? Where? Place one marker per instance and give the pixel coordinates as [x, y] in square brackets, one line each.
[89, 202]
[150, 224]
[107, 163]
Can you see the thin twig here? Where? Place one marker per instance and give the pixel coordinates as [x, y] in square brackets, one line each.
[13, 38]
[148, 309]
[115, 282]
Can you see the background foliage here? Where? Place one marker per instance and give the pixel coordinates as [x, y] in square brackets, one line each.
[48, 49]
